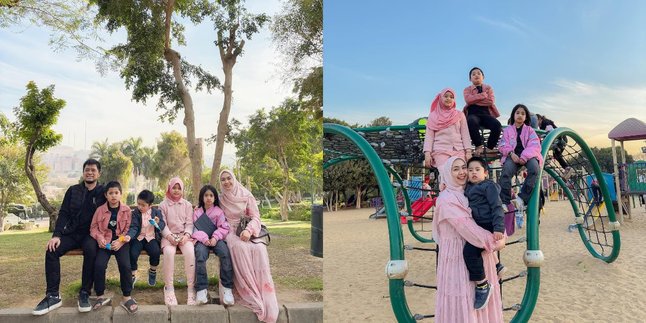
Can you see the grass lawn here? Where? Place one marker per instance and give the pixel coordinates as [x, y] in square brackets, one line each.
[298, 275]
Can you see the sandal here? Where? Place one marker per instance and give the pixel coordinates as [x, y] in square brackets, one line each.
[127, 305]
[100, 302]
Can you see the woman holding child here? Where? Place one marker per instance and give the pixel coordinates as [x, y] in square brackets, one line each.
[253, 284]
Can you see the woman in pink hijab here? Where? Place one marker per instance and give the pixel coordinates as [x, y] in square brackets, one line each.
[253, 285]
[452, 226]
[447, 132]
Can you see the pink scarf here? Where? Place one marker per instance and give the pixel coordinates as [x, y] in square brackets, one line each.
[442, 116]
[234, 200]
[451, 203]
[171, 183]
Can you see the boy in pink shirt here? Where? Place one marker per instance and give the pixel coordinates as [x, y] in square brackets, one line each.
[481, 111]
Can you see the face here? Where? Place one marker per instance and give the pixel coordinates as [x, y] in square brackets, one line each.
[520, 116]
[226, 180]
[477, 77]
[176, 191]
[142, 206]
[90, 174]
[209, 198]
[113, 195]
[477, 173]
[459, 172]
[448, 99]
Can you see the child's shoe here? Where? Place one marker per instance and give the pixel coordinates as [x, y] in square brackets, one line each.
[202, 297]
[483, 291]
[152, 277]
[134, 279]
[169, 296]
[227, 296]
[500, 270]
[190, 299]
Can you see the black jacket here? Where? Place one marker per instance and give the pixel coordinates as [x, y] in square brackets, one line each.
[485, 204]
[77, 210]
[136, 222]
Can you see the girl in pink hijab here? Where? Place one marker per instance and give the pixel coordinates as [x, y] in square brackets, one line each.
[447, 132]
[452, 226]
[253, 285]
[178, 214]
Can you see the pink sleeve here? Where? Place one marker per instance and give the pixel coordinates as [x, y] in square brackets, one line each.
[472, 233]
[489, 99]
[164, 210]
[464, 130]
[505, 147]
[254, 213]
[429, 138]
[94, 226]
[188, 216]
[532, 146]
[475, 98]
[222, 224]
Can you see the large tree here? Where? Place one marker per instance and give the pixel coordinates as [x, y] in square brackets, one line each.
[233, 24]
[151, 67]
[37, 113]
[171, 158]
[116, 166]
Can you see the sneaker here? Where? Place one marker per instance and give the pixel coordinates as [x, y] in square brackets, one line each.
[84, 302]
[227, 296]
[519, 204]
[190, 299]
[482, 295]
[49, 303]
[202, 297]
[152, 277]
[169, 296]
[500, 270]
[134, 279]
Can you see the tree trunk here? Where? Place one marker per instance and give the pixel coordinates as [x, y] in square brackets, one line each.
[42, 199]
[267, 199]
[358, 202]
[228, 56]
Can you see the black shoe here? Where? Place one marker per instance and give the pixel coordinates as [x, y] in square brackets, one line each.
[84, 302]
[482, 295]
[500, 270]
[49, 303]
[152, 277]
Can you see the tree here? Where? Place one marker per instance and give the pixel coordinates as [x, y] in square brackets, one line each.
[381, 121]
[171, 158]
[37, 113]
[233, 24]
[286, 136]
[132, 148]
[152, 68]
[116, 166]
[99, 149]
[604, 158]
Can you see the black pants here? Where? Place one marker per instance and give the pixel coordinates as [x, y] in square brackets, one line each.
[473, 257]
[152, 248]
[226, 266]
[476, 121]
[53, 261]
[558, 155]
[123, 261]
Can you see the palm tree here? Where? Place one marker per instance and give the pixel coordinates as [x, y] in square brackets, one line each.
[99, 149]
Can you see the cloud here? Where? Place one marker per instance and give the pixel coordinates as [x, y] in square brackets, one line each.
[515, 26]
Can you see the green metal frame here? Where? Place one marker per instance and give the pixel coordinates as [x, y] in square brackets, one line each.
[396, 286]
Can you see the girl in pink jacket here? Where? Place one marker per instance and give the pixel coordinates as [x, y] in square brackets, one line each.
[519, 146]
[178, 214]
[447, 133]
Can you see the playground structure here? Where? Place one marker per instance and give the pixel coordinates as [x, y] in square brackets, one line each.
[635, 183]
[400, 147]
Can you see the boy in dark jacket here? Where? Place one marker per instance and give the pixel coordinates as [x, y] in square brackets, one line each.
[487, 211]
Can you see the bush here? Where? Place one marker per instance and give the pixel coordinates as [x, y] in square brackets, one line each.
[130, 200]
[300, 212]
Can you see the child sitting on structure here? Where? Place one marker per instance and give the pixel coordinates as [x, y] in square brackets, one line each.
[487, 212]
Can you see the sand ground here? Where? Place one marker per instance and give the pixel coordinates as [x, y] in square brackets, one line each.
[575, 287]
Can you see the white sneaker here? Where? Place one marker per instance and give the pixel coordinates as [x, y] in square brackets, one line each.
[227, 296]
[202, 297]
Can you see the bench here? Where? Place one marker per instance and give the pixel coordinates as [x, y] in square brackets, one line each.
[79, 252]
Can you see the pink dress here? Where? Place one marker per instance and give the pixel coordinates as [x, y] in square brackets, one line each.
[455, 293]
[252, 281]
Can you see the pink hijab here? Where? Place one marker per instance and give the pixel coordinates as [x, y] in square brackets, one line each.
[451, 202]
[442, 116]
[233, 201]
[171, 183]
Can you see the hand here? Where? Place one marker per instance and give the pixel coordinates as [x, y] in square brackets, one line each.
[101, 243]
[442, 187]
[116, 245]
[428, 160]
[53, 243]
[500, 244]
[468, 154]
[515, 158]
[498, 235]
[171, 238]
[245, 235]
[213, 241]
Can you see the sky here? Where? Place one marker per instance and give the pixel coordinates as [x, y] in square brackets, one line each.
[580, 63]
[100, 107]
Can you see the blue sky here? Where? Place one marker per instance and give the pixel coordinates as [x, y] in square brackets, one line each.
[103, 103]
[581, 63]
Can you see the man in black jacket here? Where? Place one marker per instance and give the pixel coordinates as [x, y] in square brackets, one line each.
[72, 231]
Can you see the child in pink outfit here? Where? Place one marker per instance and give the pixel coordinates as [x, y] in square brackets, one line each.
[452, 227]
[178, 214]
[481, 111]
[447, 133]
[253, 285]
[519, 146]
